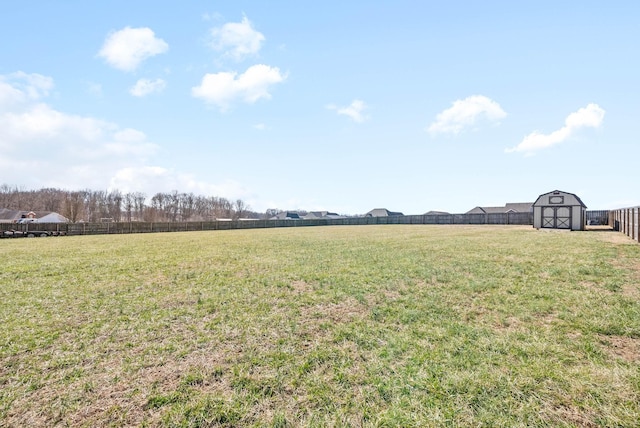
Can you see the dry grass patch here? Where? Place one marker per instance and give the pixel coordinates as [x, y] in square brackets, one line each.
[627, 348]
[301, 287]
[570, 415]
[340, 312]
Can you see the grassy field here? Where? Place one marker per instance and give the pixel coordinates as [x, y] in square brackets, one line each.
[326, 326]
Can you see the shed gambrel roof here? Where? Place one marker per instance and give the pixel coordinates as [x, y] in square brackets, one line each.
[558, 192]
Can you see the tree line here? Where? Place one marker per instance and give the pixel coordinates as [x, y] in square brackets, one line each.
[98, 205]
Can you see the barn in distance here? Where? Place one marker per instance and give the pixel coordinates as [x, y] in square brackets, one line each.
[559, 210]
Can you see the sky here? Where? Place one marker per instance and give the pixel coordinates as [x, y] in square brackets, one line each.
[342, 106]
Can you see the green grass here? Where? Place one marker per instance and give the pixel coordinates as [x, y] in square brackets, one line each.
[326, 326]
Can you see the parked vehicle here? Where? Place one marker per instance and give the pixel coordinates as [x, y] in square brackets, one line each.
[28, 234]
[11, 234]
[38, 233]
[27, 220]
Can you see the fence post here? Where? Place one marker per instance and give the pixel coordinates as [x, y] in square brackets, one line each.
[627, 222]
[638, 225]
[618, 219]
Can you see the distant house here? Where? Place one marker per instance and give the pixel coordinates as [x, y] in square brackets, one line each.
[53, 218]
[382, 212]
[286, 215]
[436, 213]
[321, 214]
[514, 207]
[9, 216]
[16, 216]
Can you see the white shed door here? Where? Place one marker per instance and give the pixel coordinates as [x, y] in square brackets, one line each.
[556, 217]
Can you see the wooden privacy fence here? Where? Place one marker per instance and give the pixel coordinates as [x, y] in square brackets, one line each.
[151, 227]
[627, 221]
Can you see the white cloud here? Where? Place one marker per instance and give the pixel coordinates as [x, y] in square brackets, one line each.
[10, 95]
[44, 147]
[590, 116]
[57, 148]
[237, 39]
[223, 88]
[130, 142]
[464, 113]
[39, 123]
[129, 135]
[127, 48]
[354, 110]
[19, 87]
[154, 179]
[145, 87]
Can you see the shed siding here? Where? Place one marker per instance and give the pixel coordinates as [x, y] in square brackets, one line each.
[556, 200]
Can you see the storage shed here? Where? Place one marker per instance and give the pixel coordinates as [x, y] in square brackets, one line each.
[559, 210]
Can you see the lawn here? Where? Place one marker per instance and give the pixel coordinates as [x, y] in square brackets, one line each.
[322, 326]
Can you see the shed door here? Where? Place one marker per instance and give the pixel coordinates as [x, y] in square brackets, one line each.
[556, 217]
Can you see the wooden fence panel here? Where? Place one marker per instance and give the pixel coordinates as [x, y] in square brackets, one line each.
[627, 221]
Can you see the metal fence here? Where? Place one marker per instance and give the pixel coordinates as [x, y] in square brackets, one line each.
[597, 217]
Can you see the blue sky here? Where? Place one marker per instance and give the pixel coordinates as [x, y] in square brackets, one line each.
[342, 106]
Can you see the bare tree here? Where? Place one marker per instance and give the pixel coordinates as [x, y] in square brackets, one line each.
[187, 206]
[138, 202]
[114, 205]
[93, 206]
[50, 199]
[127, 204]
[241, 208]
[73, 204]
[272, 212]
[158, 206]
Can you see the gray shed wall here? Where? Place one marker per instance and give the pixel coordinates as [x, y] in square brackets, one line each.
[559, 200]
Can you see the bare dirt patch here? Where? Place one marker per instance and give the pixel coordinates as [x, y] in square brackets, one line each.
[627, 348]
[131, 393]
[593, 287]
[341, 312]
[507, 325]
[301, 287]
